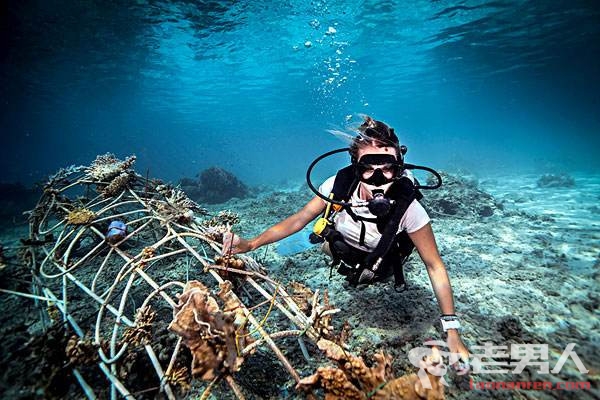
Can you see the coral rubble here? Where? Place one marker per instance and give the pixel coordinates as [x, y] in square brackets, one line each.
[355, 381]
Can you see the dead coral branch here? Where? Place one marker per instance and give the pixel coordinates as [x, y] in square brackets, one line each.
[177, 206]
[107, 166]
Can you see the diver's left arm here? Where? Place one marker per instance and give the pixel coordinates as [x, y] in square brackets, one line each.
[424, 241]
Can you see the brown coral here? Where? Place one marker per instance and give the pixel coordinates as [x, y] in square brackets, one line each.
[80, 216]
[231, 302]
[147, 253]
[180, 378]
[81, 351]
[141, 333]
[117, 185]
[230, 262]
[354, 380]
[211, 334]
[323, 316]
[320, 314]
[302, 296]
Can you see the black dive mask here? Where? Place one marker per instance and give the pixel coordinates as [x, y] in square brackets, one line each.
[373, 168]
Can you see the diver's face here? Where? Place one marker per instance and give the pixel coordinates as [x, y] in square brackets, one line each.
[367, 169]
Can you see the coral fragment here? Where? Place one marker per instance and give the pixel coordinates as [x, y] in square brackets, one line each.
[80, 216]
[210, 333]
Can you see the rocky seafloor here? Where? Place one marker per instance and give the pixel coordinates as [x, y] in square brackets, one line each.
[523, 259]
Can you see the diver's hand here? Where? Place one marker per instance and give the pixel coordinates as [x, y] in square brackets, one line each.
[456, 345]
[233, 244]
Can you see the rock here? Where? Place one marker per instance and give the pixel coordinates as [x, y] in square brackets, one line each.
[458, 197]
[555, 181]
[215, 185]
[510, 327]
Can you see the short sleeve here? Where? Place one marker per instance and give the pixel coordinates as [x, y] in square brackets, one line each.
[327, 186]
[414, 218]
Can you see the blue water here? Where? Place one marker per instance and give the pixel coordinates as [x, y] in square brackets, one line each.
[252, 86]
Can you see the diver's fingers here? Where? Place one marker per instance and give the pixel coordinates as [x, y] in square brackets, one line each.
[230, 238]
[463, 365]
[230, 241]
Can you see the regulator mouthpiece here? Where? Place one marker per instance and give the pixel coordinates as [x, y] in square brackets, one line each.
[379, 205]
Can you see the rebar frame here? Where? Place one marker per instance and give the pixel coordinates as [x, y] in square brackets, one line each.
[75, 268]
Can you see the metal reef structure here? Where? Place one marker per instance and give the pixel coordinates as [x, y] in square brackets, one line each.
[112, 286]
[134, 267]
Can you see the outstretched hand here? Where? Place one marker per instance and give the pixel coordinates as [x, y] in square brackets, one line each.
[233, 244]
[456, 346]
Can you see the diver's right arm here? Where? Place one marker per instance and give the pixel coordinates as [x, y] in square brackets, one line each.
[233, 244]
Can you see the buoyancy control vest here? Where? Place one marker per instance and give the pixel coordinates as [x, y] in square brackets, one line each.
[393, 248]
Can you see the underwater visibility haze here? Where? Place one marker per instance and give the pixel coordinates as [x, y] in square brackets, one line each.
[252, 86]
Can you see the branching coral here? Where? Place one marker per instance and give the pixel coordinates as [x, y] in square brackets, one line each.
[302, 296]
[62, 175]
[229, 261]
[141, 333]
[106, 167]
[177, 205]
[212, 335]
[221, 223]
[80, 216]
[147, 252]
[118, 184]
[321, 315]
[81, 351]
[179, 377]
[354, 380]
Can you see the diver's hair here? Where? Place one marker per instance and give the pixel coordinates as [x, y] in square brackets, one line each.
[374, 133]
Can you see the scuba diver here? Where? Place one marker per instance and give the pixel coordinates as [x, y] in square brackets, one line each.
[370, 221]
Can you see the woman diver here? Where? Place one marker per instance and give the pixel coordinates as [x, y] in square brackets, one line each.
[371, 221]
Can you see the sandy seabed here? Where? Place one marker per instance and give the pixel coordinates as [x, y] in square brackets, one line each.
[528, 274]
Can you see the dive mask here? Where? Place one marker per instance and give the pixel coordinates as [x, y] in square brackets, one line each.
[377, 169]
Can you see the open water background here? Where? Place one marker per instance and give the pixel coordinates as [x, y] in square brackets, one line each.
[252, 86]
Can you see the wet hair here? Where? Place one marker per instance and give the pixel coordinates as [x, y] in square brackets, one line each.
[374, 133]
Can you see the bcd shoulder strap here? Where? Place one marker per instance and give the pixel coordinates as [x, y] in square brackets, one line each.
[345, 183]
